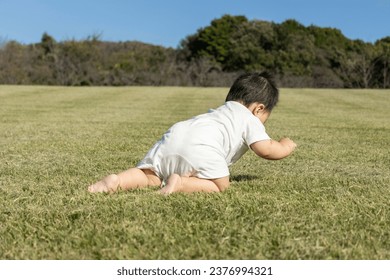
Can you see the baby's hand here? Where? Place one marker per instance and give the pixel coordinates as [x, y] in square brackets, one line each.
[272, 149]
[287, 142]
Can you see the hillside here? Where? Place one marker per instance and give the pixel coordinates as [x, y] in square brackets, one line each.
[299, 56]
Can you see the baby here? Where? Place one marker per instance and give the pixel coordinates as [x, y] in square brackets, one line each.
[194, 155]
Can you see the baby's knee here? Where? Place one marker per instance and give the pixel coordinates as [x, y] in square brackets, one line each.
[222, 184]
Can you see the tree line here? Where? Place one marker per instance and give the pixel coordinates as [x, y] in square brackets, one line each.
[297, 55]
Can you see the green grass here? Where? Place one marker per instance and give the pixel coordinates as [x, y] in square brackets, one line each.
[329, 200]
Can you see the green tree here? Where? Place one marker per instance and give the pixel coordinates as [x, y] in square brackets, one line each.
[47, 43]
[13, 63]
[295, 49]
[214, 41]
[383, 65]
[251, 47]
[358, 64]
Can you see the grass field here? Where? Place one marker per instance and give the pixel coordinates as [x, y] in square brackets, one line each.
[329, 200]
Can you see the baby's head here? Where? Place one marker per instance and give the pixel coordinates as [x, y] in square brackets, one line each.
[256, 91]
[254, 87]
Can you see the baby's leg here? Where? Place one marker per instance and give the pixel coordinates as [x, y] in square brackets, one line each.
[130, 179]
[177, 183]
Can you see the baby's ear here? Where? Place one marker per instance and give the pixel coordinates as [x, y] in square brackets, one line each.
[259, 109]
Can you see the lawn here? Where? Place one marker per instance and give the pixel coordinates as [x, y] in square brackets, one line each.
[329, 200]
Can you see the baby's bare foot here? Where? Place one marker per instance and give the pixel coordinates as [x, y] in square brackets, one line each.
[173, 185]
[108, 184]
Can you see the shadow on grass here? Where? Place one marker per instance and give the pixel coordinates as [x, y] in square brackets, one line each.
[243, 177]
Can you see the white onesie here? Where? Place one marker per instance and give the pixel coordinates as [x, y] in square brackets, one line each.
[205, 145]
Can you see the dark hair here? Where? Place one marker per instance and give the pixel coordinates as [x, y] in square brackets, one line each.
[254, 87]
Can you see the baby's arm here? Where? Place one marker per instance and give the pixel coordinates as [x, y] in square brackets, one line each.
[271, 149]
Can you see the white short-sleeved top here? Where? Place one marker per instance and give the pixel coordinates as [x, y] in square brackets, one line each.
[207, 144]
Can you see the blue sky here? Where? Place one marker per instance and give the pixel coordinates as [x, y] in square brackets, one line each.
[166, 22]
